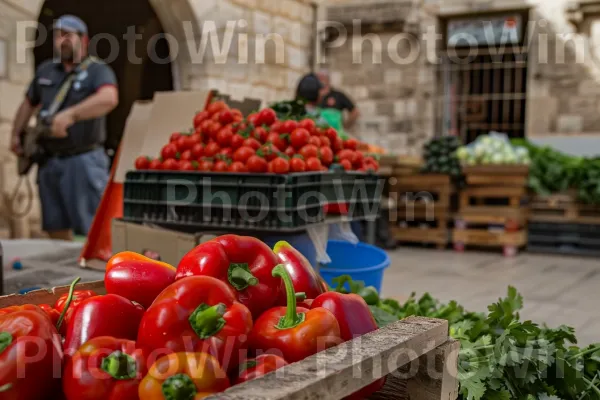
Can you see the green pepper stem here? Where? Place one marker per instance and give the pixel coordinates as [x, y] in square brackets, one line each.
[207, 321]
[300, 296]
[179, 387]
[5, 340]
[240, 277]
[120, 366]
[291, 318]
[67, 304]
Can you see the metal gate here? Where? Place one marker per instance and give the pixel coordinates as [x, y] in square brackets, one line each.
[482, 89]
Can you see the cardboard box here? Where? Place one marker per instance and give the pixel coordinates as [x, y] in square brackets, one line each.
[154, 241]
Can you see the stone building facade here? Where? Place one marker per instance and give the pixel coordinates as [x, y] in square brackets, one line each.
[402, 95]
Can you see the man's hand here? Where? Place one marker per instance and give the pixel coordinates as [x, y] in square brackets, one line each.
[15, 146]
[61, 122]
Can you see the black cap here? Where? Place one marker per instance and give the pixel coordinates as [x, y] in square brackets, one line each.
[309, 87]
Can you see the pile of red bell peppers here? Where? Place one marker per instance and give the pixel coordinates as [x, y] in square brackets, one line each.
[233, 310]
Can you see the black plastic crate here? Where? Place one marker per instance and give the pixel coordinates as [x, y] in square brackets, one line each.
[341, 186]
[262, 201]
[561, 238]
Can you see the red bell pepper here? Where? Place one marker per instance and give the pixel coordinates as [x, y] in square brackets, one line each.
[294, 332]
[304, 277]
[132, 256]
[108, 315]
[355, 319]
[50, 312]
[105, 368]
[77, 298]
[139, 281]
[30, 355]
[259, 366]
[197, 314]
[183, 376]
[244, 263]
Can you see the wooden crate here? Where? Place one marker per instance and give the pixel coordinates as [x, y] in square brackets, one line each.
[563, 208]
[493, 204]
[497, 175]
[415, 354]
[429, 207]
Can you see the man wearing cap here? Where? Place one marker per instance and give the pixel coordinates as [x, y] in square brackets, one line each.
[335, 99]
[74, 172]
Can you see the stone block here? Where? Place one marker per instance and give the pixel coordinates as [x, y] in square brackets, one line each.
[276, 76]
[203, 8]
[301, 34]
[385, 108]
[11, 97]
[261, 23]
[358, 92]
[392, 76]
[293, 77]
[271, 6]
[336, 78]
[541, 115]
[568, 123]
[367, 107]
[282, 26]
[297, 58]
[306, 13]
[585, 106]
[252, 4]
[32, 7]
[239, 90]
[377, 92]
[589, 87]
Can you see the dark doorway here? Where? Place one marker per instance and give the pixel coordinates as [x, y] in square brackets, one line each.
[137, 81]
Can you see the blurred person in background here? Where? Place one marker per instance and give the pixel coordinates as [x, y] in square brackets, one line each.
[335, 99]
[74, 170]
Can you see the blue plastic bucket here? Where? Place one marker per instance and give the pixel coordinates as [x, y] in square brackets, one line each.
[361, 261]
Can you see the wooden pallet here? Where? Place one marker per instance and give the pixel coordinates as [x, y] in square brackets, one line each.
[497, 175]
[437, 235]
[493, 204]
[563, 208]
[510, 242]
[416, 356]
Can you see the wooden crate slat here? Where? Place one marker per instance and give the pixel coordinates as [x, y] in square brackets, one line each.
[514, 170]
[332, 374]
[494, 191]
[494, 214]
[492, 180]
[419, 235]
[433, 181]
[482, 237]
[48, 296]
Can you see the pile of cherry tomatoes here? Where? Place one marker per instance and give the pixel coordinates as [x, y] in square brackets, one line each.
[224, 141]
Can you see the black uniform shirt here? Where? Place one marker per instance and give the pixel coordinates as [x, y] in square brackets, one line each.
[45, 86]
[338, 100]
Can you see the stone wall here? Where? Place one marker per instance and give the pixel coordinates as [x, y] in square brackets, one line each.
[273, 79]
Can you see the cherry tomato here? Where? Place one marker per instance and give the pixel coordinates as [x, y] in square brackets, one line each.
[185, 142]
[315, 140]
[281, 165]
[213, 129]
[170, 165]
[351, 144]
[270, 169]
[174, 137]
[346, 164]
[276, 127]
[267, 117]
[289, 126]
[237, 115]
[299, 138]
[253, 119]
[309, 151]
[268, 151]
[337, 144]
[216, 106]
[198, 150]
[168, 151]
[277, 140]
[142, 163]
[309, 125]
[186, 165]
[260, 134]
[155, 164]
[211, 149]
[224, 137]
[237, 141]
[257, 164]
[251, 142]
[226, 117]
[196, 138]
[186, 156]
[313, 164]
[326, 155]
[238, 166]
[325, 141]
[243, 154]
[206, 165]
[347, 154]
[205, 127]
[227, 152]
[332, 134]
[290, 151]
[220, 166]
[200, 117]
[297, 164]
[358, 159]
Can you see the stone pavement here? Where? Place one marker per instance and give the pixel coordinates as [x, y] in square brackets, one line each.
[556, 290]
